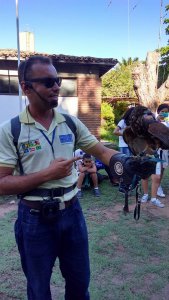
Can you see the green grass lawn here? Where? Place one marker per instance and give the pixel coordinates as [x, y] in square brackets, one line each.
[129, 259]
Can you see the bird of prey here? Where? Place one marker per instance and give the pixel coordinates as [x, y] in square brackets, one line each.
[145, 135]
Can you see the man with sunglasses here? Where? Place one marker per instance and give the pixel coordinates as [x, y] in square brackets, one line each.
[50, 221]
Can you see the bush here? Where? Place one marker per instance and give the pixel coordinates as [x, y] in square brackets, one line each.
[107, 116]
[107, 135]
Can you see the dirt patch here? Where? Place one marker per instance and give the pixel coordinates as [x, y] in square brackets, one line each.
[157, 211]
[113, 213]
[145, 207]
[108, 214]
[7, 207]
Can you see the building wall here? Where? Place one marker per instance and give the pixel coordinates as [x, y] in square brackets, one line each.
[89, 102]
[9, 107]
[86, 105]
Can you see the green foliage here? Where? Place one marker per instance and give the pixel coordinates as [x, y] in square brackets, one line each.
[119, 82]
[166, 21]
[108, 136]
[129, 61]
[107, 115]
[164, 51]
[111, 115]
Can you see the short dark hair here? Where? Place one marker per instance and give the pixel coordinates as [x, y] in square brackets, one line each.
[162, 106]
[87, 156]
[24, 69]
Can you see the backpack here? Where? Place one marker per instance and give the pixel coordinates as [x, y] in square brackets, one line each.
[16, 129]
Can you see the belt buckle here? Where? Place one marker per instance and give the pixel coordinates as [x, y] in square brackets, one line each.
[53, 192]
[61, 191]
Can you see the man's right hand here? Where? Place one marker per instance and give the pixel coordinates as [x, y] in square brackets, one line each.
[60, 168]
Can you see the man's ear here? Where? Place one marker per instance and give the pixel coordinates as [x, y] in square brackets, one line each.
[26, 87]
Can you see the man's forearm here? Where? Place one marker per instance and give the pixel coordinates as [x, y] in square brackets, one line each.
[20, 184]
[102, 153]
[9, 184]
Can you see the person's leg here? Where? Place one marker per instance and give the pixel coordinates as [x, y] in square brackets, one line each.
[74, 256]
[160, 192]
[144, 183]
[37, 248]
[79, 184]
[155, 184]
[80, 180]
[94, 179]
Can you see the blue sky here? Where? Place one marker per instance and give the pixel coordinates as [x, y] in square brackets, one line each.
[99, 28]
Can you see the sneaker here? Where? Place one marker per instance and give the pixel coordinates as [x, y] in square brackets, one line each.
[96, 192]
[160, 192]
[157, 202]
[79, 195]
[144, 198]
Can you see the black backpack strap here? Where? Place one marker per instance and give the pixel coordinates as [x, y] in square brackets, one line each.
[71, 125]
[15, 130]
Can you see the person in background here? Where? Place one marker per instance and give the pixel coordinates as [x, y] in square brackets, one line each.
[163, 117]
[122, 124]
[156, 188]
[78, 153]
[87, 168]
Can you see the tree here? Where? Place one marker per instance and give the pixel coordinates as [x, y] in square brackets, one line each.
[151, 81]
[129, 61]
[146, 82]
[119, 82]
[164, 63]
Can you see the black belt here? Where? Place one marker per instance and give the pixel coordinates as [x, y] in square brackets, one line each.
[37, 205]
[58, 192]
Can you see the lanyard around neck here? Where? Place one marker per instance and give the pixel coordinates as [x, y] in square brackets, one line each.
[49, 142]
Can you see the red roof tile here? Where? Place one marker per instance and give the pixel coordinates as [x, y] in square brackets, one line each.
[12, 53]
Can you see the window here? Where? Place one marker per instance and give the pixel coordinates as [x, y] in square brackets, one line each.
[68, 87]
[8, 84]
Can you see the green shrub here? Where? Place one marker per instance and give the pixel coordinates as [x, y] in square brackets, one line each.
[107, 135]
[107, 115]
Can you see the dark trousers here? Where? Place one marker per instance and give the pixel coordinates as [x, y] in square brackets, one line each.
[40, 244]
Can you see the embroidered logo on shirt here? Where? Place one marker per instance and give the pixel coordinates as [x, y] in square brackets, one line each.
[66, 138]
[31, 146]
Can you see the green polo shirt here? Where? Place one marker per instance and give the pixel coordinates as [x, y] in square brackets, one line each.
[36, 152]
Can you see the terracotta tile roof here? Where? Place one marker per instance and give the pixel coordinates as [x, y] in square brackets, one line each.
[12, 54]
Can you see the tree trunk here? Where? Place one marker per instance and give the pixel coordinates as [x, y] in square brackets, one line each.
[145, 77]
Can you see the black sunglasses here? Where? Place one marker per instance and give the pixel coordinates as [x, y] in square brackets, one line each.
[48, 82]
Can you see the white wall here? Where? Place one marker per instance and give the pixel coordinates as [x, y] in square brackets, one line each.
[10, 106]
[68, 105]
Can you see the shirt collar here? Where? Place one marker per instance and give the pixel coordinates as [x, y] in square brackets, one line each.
[26, 118]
